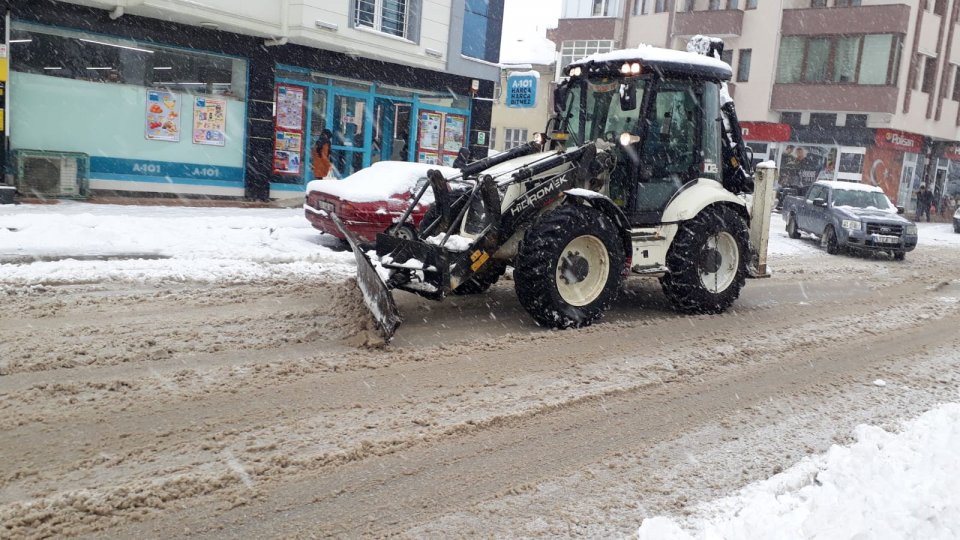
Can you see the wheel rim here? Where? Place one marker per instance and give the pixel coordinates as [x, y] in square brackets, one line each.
[582, 270]
[406, 233]
[719, 260]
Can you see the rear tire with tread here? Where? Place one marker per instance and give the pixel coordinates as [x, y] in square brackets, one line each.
[568, 268]
[707, 262]
[829, 241]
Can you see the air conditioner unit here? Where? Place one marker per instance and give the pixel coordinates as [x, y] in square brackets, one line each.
[41, 173]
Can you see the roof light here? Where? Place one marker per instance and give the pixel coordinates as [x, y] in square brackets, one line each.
[635, 68]
[625, 69]
[575, 72]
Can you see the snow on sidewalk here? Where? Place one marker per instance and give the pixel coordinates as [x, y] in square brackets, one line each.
[904, 485]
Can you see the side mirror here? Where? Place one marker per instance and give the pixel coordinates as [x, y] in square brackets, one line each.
[560, 94]
[820, 202]
[900, 210]
[628, 96]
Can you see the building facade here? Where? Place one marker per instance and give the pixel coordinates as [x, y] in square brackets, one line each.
[859, 90]
[228, 98]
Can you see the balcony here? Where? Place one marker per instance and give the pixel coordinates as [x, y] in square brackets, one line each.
[589, 28]
[718, 23]
[834, 97]
[883, 19]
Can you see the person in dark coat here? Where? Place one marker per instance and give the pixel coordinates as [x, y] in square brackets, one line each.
[924, 200]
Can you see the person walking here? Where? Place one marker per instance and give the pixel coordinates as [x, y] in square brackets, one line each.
[924, 200]
[321, 155]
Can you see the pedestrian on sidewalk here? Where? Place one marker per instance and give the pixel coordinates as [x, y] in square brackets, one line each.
[924, 201]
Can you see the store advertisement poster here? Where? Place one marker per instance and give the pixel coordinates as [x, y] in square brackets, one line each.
[430, 158]
[430, 130]
[290, 101]
[802, 165]
[210, 121]
[454, 133]
[288, 133]
[162, 116]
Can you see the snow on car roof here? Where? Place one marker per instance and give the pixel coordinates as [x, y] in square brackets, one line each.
[378, 181]
[850, 186]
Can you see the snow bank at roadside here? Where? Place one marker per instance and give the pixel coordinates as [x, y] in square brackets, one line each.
[160, 243]
[904, 485]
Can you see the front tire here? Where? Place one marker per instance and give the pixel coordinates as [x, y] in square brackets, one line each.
[899, 255]
[829, 241]
[568, 267]
[792, 230]
[707, 262]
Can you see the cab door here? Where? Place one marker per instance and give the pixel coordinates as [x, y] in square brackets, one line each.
[816, 216]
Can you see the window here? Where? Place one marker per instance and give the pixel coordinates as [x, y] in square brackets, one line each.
[481, 36]
[940, 7]
[514, 137]
[387, 16]
[956, 84]
[573, 50]
[691, 5]
[727, 56]
[846, 3]
[792, 118]
[574, 9]
[53, 52]
[929, 75]
[640, 7]
[823, 119]
[660, 6]
[713, 5]
[743, 66]
[493, 138]
[733, 4]
[818, 3]
[856, 120]
[868, 60]
[751, 4]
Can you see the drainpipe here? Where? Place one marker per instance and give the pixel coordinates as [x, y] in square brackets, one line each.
[118, 11]
[284, 26]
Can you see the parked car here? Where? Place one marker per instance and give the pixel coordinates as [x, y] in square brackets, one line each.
[371, 200]
[849, 215]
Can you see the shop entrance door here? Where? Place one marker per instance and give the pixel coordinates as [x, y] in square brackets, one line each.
[352, 135]
[392, 130]
[318, 123]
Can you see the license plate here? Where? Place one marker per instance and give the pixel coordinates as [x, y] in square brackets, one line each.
[883, 239]
[324, 205]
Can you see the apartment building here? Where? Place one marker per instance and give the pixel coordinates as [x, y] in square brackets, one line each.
[860, 90]
[228, 98]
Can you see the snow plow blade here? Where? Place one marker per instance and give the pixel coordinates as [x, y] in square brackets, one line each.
[376, 295]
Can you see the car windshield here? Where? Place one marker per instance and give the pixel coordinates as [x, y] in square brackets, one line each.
[861, 199]
[593, 109]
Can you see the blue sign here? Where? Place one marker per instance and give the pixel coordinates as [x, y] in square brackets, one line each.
[522, 91]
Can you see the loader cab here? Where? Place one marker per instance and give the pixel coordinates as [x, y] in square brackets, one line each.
[664, 121]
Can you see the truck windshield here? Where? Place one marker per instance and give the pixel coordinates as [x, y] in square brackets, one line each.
[593, 110]
[860, 199]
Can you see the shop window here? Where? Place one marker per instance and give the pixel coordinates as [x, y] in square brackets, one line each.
[76, 55]
[513, 138]
[388, 16]
[856, 120]
[866, 60]
[481, 36]
[573, 50]
[743, 65]
[929, 75]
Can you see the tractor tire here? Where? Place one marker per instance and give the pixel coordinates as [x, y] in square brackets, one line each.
[568, 268]
[828, 241]
[707, 262]
[792, 230]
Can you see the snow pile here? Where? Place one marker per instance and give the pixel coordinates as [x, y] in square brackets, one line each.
[885, 485]
[536, 50]
[73, 242]
[379, 181]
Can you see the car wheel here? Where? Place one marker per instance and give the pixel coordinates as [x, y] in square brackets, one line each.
[829, 241]
[406, 232]
[707, 262]
[792, 230]
[899, 255]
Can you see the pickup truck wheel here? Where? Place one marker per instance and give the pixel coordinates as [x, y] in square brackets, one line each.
[899, 255]
[828, 240]
[568, 267]
[792, 230]
[707, 262]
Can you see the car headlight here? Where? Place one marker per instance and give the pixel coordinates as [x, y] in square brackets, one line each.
[850, 225]
[911, 229]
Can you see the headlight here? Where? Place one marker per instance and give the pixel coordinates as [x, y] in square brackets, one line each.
[911, 229]
[850, 225]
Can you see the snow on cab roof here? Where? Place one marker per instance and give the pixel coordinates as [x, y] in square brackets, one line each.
[850, 186]
[378, 181]
[656, 56]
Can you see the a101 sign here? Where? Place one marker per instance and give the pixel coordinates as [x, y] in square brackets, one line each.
[522, 91]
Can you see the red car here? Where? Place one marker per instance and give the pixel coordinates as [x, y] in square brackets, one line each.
[371, 200]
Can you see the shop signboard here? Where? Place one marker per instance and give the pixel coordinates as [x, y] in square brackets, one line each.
[952, 152]
[288, 130]
[898, 140]
[802, 165]
[210, 121]
[765, 131]
[162, 116]
[522, 90]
